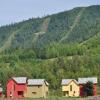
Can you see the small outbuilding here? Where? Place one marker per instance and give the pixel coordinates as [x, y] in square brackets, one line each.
[70, 88]
[37, 88]
[83, 81]
[16, 87]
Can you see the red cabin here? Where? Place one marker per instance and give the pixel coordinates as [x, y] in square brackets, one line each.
[83, 81]
[16, 87]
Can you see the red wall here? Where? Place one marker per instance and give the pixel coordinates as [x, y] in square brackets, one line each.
[81, 91]
[13, 88]
[0, 94]
[95, 89]
[82, 94]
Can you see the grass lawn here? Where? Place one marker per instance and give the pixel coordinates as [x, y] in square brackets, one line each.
[61, 98]
[58, 98]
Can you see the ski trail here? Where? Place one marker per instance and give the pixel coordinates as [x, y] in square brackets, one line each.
[43, 29]
[7, 43]
[77, 19]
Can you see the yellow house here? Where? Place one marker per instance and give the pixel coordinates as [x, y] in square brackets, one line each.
[70, 87]
[37, 88]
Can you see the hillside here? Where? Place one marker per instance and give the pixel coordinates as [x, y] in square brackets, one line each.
[76, 25]
[63, 45]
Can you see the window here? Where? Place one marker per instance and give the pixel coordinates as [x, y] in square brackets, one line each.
[38, 86]
[74, 92]
[10, 94]
[70, 87]
[46, 93]
[14, 87]
[20, 93]
[66, 93]
[34, 93]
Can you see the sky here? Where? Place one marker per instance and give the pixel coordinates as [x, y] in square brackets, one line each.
[12, 11]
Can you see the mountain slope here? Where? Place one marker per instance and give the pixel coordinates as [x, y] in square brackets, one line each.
[76, 25]
[63, 45]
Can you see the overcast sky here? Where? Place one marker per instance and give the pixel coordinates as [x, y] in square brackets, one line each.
[17, 10]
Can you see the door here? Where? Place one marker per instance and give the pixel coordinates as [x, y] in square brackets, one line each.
[20, 94]
[66, 93]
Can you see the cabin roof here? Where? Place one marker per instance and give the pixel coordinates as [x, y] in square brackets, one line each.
[37, 82]
[20, 80]
[67, 81]
[85, 80]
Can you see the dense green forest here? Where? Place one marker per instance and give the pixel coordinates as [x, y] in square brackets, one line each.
[63, 45]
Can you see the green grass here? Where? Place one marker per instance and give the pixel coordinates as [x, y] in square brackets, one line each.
[63, 98]
[57, 98]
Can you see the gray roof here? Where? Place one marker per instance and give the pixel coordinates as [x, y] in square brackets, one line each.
[1, 89]
[20, 80]
[84, 80]
[67, 81]
[37, 82]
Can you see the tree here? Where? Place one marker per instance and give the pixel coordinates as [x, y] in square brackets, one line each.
[88, 89]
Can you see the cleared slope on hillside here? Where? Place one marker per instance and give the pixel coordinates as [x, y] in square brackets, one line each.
[7, 44]
[76, 22]
[76, 25]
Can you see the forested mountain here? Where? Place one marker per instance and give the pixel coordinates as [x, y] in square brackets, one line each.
[76, 25]
[63, 45]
